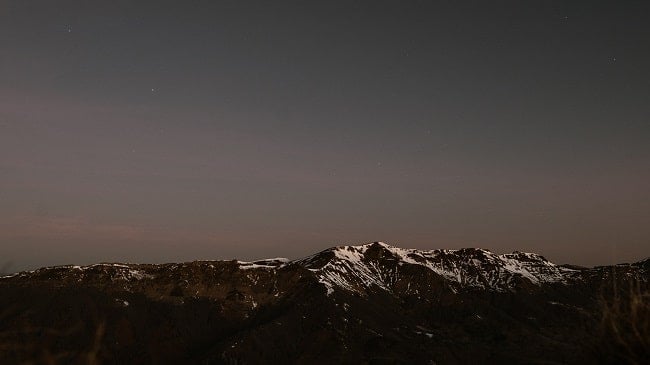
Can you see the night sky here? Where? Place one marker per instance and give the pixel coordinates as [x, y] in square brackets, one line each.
[156, 131]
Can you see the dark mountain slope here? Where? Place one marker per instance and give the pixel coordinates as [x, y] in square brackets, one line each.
[370, 304]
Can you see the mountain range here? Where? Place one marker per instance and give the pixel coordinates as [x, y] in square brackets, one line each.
[366, 304]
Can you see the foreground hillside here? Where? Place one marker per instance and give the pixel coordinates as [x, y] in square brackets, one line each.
[371, 304]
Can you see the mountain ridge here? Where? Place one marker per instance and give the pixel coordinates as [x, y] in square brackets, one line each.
[464, 267]
[364, 304]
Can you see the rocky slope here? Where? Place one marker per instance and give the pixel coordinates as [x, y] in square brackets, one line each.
[372, 303]
[359, 268]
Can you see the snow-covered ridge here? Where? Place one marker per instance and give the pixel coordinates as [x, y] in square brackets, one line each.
[356, 268]
[364, 267]
[139, 271]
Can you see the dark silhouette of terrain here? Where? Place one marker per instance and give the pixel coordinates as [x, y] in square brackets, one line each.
[369, 304]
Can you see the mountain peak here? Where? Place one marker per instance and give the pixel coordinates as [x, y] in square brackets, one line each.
[376, 265]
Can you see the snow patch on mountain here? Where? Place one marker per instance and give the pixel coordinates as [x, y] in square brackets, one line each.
[263, 264]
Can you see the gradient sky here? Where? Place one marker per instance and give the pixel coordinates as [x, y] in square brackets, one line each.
[152, 131]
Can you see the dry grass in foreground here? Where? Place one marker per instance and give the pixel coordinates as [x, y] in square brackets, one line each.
[625, 324]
